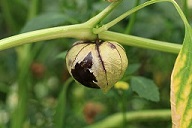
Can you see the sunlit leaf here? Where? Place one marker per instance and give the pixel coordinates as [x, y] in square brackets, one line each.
[181, 85]
[145, 88]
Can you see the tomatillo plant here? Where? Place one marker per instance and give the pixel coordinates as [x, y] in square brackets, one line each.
[94, 55]
[90, 31]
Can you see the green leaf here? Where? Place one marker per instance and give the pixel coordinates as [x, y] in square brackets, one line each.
[132, 68]
[61, 105]
[145, 88]
[46, 20]
[61, 55]
[181, 80]
[181, 84]
[149, 24]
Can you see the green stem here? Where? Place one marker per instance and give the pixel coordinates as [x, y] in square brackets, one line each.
[98, 18]
[182, 15]
[124, 15]
[140, 42]
[115, 120]
[123, 107]
[24, 62]
[33, 8]
[84, 32]
[185, 8]
[132, 20]
[118, 19]
[4, 4]
[79, 31]
[61, 105]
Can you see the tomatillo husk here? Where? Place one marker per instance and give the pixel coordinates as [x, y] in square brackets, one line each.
[97, 64]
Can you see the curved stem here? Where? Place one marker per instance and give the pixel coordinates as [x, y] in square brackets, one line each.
[98, 18]
[118, 19]
[140, 42]
[79, 31]
[182, 15]
[124, 15]
[146, 115]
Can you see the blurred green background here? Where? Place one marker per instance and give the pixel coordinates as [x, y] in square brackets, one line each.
[37, 73]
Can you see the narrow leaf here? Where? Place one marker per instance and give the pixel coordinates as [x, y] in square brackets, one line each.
[145, 88]
[181, 84]
[61, 105]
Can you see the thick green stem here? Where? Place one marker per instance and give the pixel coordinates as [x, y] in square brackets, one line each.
[115, 120]
[79, 31]
[84, 32]
[140, 42]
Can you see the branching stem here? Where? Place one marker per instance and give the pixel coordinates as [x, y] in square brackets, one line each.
[98, 18]
[86, 31]
[123, 16]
